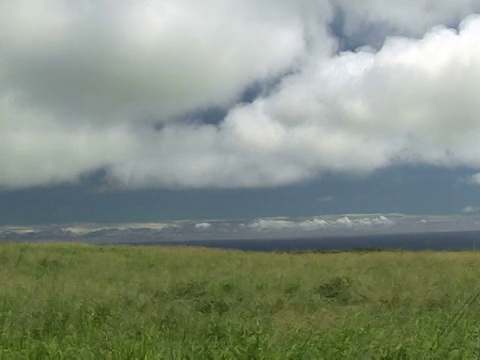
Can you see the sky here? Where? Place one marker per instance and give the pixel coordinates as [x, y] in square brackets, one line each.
[121, 111]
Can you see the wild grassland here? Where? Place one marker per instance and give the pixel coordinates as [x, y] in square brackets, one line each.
[76, 301]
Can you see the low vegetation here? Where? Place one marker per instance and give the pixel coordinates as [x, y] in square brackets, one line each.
[64, 301]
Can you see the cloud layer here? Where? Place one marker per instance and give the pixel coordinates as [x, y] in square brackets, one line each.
[263, 228]
[116, 86]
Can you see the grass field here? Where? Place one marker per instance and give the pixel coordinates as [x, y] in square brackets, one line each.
[76, 301]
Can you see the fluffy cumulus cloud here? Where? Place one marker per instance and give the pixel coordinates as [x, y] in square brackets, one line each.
[117, 85]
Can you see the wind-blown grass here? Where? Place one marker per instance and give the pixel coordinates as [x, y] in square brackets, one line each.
[76, 301]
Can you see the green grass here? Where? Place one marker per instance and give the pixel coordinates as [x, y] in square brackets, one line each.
[77, 301]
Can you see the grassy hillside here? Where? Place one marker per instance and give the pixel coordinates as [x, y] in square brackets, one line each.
[76, 301]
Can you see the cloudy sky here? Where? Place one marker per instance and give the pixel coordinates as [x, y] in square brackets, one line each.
[144, 110]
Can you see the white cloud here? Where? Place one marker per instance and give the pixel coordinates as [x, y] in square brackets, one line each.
[319, 224]
[112, 61]
[82, 86]
[269, 225]
[345, 221]
[470, 209]
[412, 102]
[203, 226]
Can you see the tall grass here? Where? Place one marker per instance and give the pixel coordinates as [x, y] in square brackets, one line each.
[76, 301]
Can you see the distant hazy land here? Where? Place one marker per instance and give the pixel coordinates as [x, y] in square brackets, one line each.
[333, 232]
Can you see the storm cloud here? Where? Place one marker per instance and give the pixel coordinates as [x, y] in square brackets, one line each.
[117, 86]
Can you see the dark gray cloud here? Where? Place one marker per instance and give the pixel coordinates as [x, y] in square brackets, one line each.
[417, 190]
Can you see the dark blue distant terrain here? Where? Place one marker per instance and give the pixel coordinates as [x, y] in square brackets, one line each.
[437, 241]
